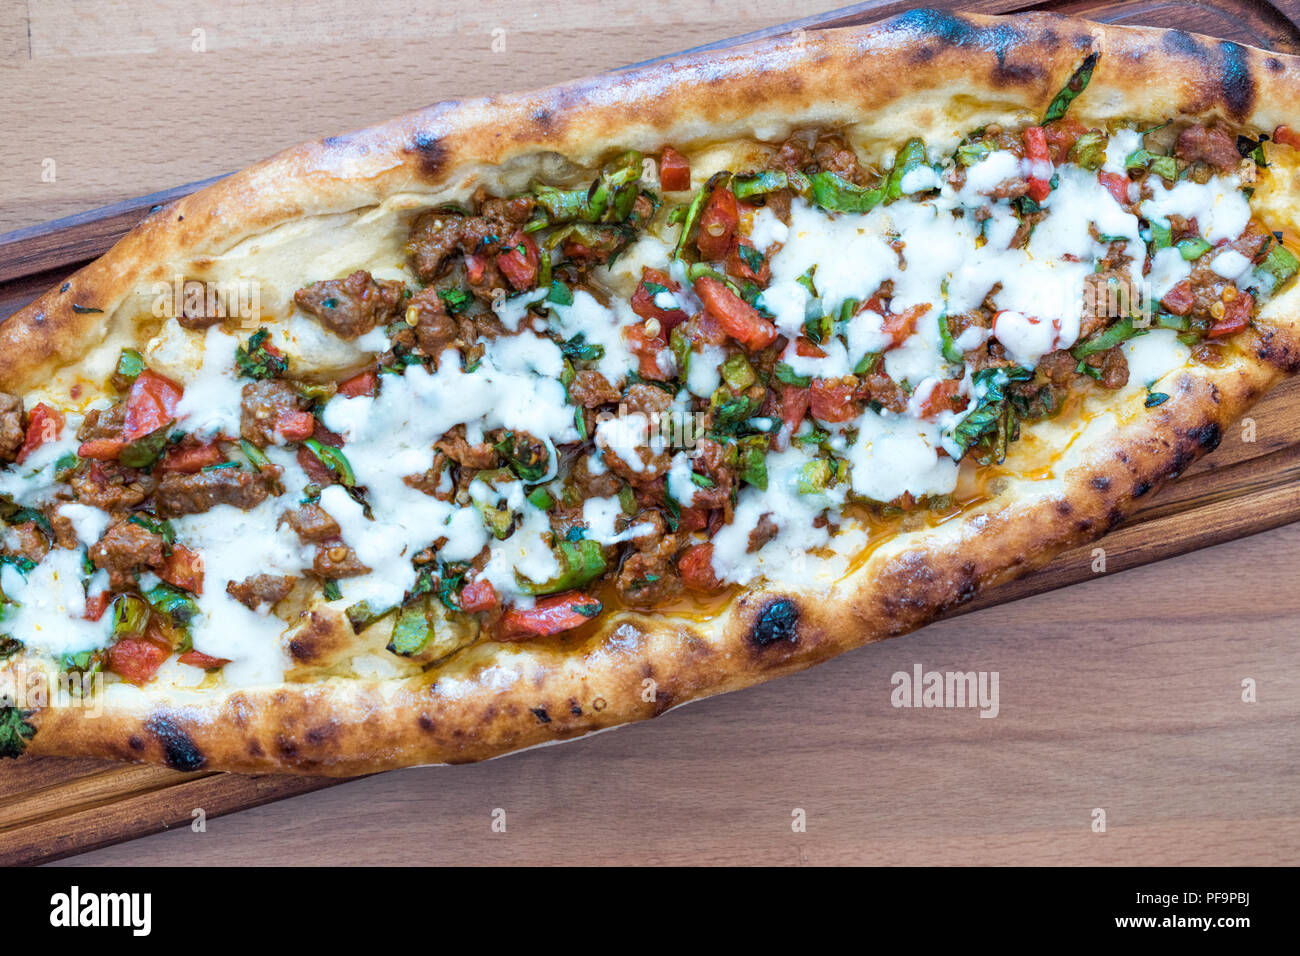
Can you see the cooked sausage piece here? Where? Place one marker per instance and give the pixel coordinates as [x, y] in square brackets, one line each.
[125, 549]
[353, 306]
[261, 590]
[182, 494]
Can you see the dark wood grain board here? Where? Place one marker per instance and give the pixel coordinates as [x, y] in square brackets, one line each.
[51, 808]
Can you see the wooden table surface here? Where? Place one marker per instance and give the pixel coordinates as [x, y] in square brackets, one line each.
[1122, 694]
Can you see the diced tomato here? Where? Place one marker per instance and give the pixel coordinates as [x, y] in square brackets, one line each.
[43, 425]
[643, 300]
[478, 596]
[1180, 299]
[900, 325]
[832, 401]
[1061, 135]
[96, 605]
[150, 405]
[736, 317]
[943, 398]
[795, 402]
[101, 449]
[1286, 136]
[550, 615]
[519, 262]
[188, 460]
[696, 568]
[738, 267]
[1041, 172]
[205, 661]
[648, 349]
[1117, 184]
[806, 349]
[137, 659]
[183, 568]
[294, 425]
[474, 267]
[1236, 316]
[692, 519]
[367, 383]
[718, 224]
[674, 171]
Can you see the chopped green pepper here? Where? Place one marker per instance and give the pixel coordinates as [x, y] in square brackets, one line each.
[333, 459]
[580, 563]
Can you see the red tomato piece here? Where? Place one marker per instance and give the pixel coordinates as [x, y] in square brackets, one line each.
[795, 402]
[101, 449]
[718, 224]
[183, 568]
[643, 300]
[188, 460]
[1036, 152]
[478, 596]
[1180, 299]
[550, 615]
[367, 383]
[1286, 136]
[519, 263]
[150, 405]
[736, 317]
[96, 605]
[294, 425]
[1236, 316]
[137, 659]
[832, 401]
[674, 171]
[943, 397]
[1117, 184]
[696, 568]
[43, 425]
[205, 661]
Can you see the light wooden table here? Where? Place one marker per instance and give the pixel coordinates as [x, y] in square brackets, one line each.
[1122, 694]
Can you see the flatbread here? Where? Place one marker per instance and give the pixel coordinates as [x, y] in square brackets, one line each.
[932, 74]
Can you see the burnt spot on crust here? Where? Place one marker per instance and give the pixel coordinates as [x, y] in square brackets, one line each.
[1278, 352]
[1274, 65]
[425, 722]
[1231, 67]
[179, 750]
[540, 713]
[135, 742]
[948, 28]
[1238, 83]
[777, 621]
[1101, 482]
[430, 153]
[1141, 488]
[575, 709]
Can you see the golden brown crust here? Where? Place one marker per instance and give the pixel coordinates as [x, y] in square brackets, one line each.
[924, 70]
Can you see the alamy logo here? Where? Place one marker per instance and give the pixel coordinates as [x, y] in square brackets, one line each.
[922, 688]
[74, 909]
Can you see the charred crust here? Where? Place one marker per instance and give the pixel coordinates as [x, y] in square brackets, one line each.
[1141, 488]
[179, 750]
[1278, 352]
[1207, 436]
[430, 153]
[540, 713]
[941, 25]
[1238, 83]
[425, 722]
[135, 742]
[1100, 482]
[575, 709]
[777, 620]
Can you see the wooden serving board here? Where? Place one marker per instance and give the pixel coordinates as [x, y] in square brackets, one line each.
[52, 808]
